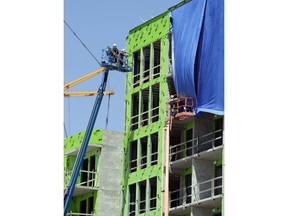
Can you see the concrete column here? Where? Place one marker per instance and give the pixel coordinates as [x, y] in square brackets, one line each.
[109, 194]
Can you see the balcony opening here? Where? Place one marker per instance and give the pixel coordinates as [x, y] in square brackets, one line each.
[133, 156]
[132, 199]
[154, 148]
[143, 159]
[136, 69]
[156, 59]
[146, 63]
[218, 180]
[144, 107]
[174, 188]
[219, 132]
[142, 197]
[153, 193]
[155, 103]
[135, 111]
[188, 183]
[84, 173]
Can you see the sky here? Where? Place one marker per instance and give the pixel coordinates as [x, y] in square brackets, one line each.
[98, 24]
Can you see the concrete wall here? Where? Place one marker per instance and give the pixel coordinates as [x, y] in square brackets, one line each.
[109, 195]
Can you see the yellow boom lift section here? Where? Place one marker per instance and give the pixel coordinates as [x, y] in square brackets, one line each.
[82, 79]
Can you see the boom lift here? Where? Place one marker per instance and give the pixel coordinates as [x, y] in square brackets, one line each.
[101, 91]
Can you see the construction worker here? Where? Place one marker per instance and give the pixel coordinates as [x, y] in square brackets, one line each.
[115, 53]
[109, 54]
[122, 56]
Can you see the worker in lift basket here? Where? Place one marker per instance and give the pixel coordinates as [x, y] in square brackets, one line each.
[115, 54]
[122, 56]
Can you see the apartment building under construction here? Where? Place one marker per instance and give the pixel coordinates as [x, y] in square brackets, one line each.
[169, 159]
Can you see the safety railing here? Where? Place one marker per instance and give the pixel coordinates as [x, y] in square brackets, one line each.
[156, 71]
[80, 214]
[179, 106]
[87, 178]
[153, 201]
[142, 206]
[196, 145]
[133, 165]
[154, 114]
[207, 189]
[144, 118]
[134, 122]
[132, 210]
[200, 191]
[154, 158]
[136, 80]
[143, 162]
[146, 76]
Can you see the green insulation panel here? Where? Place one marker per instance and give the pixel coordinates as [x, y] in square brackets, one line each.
[74, 142]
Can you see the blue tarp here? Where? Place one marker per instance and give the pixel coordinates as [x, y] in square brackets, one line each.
[198, 53]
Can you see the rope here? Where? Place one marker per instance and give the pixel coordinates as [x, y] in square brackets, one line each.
[107, 112]
[82, 43]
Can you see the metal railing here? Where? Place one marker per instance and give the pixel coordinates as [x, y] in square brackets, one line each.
[194, 146]
[136, 80]
[133, 165]
[80, 214]
[146, 75]
[207, 189]
[154, 114]
[90, 177]
[134, 122]
[156, 71]
[144, 118]
[200, 191]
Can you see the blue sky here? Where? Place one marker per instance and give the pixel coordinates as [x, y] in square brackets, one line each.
[98, 24]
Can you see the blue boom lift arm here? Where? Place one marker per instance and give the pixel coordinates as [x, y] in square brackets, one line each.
[71, 186]
[80, 156]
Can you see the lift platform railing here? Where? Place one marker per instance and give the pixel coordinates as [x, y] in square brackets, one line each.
[180, 105]
[196, 145]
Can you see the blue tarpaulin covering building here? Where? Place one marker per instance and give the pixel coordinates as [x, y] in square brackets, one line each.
[198, 53]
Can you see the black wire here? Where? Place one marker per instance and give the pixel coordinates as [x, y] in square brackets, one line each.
[82, 42]
[107, 112]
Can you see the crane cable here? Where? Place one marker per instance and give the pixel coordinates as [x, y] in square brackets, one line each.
[107, 113]
[82, 43]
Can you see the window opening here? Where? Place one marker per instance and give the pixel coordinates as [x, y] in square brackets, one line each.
[217, 214]
[174, 188]
[153, 193]
[136, 69]
[132, 199]
[188, 183]
[144, 107]
[155, 103]
[84, 172]
[218, 180]
[142, 197]
[156, 59]
[83, 205]
[90, 205]
[146, 63]
[143, 159]
[189, 142]
[92, 170]
[154, 148]
[135, 111]
[133, 156]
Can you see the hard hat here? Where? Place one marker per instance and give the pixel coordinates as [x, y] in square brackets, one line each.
[114, 45]
[123, 50]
